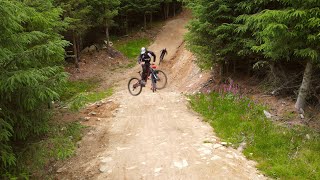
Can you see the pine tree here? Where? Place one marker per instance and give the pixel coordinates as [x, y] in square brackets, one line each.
[290, 34]
[76, 13]
[104, 13]
[126, 7]
[217, 34]
[31, 51]
[212, 36]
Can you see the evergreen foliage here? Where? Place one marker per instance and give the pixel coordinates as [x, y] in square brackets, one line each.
[247, 32]
[293, 31]
[31, 52]
[85, 15]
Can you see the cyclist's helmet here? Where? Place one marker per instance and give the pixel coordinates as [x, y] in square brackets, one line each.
[143, 50]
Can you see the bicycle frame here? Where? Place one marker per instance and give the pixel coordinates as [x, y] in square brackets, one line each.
[153, 73]
[136, 88]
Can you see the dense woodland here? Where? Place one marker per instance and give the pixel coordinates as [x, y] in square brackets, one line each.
[34, 36]
[277, 40]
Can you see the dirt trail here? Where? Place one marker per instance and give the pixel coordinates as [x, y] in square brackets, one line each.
[155, 135]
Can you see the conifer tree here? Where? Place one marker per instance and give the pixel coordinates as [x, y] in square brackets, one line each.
[31, 52]
[76, 13]
[290, 34]
[212, 36]
[104, 13]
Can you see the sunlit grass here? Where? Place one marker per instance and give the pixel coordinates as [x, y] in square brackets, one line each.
[131, 48]
[72, 88]
[80, 100]
[281, 152]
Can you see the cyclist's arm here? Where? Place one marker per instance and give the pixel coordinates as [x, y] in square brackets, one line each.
[154, 56]
[139, 59]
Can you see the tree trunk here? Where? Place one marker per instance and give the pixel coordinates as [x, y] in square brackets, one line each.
[305, 87]
[249, 68]
[221, 65]
[174, 9]
[145, 21]
[127, 25]
[79, 48]
[107, 36]
[168, 5]
[227, 68]
[81, 43]
[75, 49]
[164, 12]
[151, 18]
[273, 71]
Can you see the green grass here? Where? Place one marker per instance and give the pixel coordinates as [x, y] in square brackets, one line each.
[131, 48]
[281, 152]
[77, 94]
[81, 99]
[73, 88]
[58, 144]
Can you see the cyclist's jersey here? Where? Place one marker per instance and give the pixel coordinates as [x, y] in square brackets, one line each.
[146, 57]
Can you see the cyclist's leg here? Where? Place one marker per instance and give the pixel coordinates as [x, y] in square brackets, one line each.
[147, 72]
[161, 57]
[144, 71]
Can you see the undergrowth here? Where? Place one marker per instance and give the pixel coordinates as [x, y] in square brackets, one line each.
[281, 152]
[36, 156]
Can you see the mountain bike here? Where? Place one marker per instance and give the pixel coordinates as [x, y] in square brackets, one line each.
[158, 81]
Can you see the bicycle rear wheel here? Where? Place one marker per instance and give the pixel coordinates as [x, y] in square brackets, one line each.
[162, 79]
[134, 86]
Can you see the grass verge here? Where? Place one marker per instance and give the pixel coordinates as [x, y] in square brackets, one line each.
[77, 94]
[80, 100]
[281, 152]
[73, 88]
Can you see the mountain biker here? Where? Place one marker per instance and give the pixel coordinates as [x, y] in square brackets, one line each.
[163, 53]
[145, 56]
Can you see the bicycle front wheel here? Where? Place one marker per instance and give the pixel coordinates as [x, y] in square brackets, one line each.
[161, 80]
[134, 86]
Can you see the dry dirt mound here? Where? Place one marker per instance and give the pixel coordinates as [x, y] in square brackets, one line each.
[155, 135]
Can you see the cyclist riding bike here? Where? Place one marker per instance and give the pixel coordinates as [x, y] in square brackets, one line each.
[163, 53]
[145, 56]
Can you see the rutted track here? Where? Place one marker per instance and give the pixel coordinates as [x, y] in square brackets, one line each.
[155, 135]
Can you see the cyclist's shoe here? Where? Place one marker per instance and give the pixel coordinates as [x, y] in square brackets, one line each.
[143, 83]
